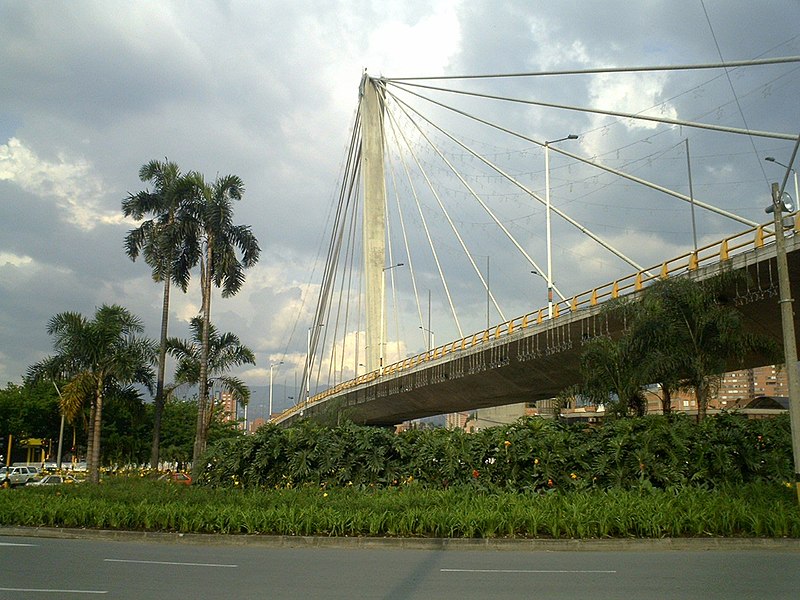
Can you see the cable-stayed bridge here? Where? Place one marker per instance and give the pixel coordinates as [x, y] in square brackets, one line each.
[405, 211]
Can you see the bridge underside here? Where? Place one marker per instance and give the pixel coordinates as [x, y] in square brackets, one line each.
[538, 362]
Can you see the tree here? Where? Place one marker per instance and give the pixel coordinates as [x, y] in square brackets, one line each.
[177, 439]
[127, 425]
[158, 239]
[29, 411]
[208, 236]
[224, 352]
[97, 358]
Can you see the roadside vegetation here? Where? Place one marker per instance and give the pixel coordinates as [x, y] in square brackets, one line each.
[678, 333]
[640, 477]
[32, 411]
[185, 223]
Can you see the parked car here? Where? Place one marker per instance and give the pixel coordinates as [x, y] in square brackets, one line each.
[13, 476]
[53, 480]
[33, 468]
[80, 467]
[176, 477]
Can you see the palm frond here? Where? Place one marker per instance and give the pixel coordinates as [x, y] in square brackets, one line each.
[79, 392]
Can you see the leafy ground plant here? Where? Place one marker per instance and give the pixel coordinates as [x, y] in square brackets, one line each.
[755, 509]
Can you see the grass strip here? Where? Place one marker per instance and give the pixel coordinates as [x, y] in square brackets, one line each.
[757, 509]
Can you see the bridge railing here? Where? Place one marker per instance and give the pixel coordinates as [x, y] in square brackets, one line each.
[717, 252]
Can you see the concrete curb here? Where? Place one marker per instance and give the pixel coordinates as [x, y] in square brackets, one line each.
[459, 544]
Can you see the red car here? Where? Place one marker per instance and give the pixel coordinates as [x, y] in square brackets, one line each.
[176, 477]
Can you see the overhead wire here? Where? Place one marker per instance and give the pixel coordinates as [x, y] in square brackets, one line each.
[346, 198]
[405, 243]
[390, 249]
[598, 165]
[733, 89]
[531, 193]
[601, 70]
[431, 245]
[447, 214]
[611, 113]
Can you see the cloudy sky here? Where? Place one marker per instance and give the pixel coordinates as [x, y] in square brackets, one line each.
[90, 91]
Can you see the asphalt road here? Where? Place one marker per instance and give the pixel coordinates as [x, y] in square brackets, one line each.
[42, 567]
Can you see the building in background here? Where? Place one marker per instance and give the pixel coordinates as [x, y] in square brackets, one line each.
[744, 390]
[255, 424]
[229, 406]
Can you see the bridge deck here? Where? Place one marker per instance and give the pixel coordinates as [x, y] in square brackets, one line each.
[530, 359]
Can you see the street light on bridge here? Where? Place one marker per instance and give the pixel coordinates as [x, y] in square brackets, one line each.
[534, 272]
[271, 366]
[571, 136]
[430, 337]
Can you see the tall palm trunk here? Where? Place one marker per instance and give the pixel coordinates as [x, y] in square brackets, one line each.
[162, 361]
[90, 434]
[702, 393]
[202, 402]
[94, 463]
[666, 399]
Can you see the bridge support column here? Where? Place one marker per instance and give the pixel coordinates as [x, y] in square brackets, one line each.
[374, 217]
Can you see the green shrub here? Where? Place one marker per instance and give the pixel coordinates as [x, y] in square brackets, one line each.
[532, 455]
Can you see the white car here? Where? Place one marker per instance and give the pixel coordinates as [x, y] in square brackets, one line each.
[17, 475]
[53, 480]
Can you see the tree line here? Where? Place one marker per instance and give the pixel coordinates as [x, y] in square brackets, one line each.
[186, 224]
[33, 411]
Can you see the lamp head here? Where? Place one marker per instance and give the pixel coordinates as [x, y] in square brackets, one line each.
[786, 204]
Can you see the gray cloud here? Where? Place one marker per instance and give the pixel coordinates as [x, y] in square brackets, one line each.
[92, 90]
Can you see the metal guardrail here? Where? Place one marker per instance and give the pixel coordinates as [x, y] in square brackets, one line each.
[751, 239]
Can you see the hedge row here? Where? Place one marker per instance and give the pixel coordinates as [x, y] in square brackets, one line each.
[530, 455]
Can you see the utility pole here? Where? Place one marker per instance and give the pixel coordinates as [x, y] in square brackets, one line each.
[787, 325]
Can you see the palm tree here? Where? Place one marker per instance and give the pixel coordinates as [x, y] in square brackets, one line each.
[224, 352]
[97, 357]
[157, 239]
[651, 344]
[700, 335]
[611, 368]
[208, 236]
